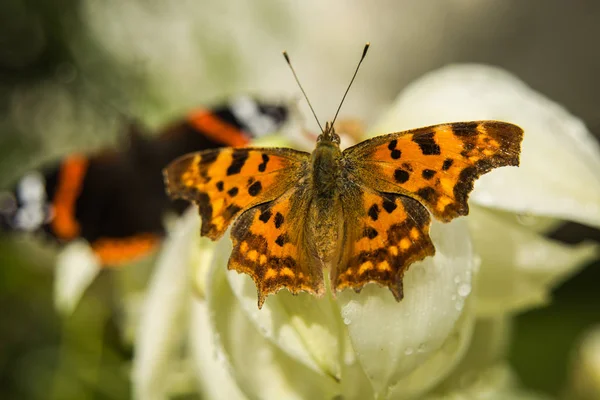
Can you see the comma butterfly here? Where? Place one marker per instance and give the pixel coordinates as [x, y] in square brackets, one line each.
[363, 212]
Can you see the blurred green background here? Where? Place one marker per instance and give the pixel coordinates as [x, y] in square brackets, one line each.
[68, 68]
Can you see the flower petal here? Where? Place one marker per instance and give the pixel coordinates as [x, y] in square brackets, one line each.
[494, 383]
[487, 347]
[306, 328]
[212, 371]
[163, 318]
[560, 159]
[76, 268]
[393, 340]
[519, 267]
[260, 368]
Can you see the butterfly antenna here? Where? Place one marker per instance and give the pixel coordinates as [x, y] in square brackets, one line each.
[364, 53]
[287, 58]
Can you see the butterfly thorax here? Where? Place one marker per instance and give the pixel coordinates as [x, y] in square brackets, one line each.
[324, 217]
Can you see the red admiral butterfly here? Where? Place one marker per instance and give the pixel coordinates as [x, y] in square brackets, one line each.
[115, 199]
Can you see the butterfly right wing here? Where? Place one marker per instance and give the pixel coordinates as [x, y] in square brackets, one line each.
[270, 244]
[226, 182]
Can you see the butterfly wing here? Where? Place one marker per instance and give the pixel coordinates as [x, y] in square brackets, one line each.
[436, 165]
[383, 234]
[225, 182]
[269, 244]
[396, 178]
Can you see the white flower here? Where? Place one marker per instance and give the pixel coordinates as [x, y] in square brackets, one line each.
[447, 338]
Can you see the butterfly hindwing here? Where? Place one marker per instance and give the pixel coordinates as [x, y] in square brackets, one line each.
[269, 244]
[383, 234]
[225, 182]
[436, 165]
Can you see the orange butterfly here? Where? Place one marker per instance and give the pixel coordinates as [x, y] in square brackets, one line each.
[363, 212]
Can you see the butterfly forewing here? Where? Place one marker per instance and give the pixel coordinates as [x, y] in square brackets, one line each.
[436, 165]
[225, 182]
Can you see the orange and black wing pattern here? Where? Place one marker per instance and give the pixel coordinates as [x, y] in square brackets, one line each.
[225, 182]
[397, 180]
[383, 234]
[270, 245]
[436, 165]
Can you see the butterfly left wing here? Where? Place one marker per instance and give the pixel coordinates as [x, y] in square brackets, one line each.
[383, 234]
[226, 182]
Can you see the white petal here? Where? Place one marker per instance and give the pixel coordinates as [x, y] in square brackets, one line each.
[212, 371]
[487, 347]
[494, 383]
[519, 267]
[560, 159]
[393, 340]
[76, 268]
[306, 328]
[163, 319]
[261, 369]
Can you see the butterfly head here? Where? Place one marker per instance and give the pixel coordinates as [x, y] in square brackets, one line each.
[328, 136]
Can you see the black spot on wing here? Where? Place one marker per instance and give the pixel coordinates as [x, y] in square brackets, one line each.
[395, 153]
[265, 215]
[220, 186]
[428, 174]
[373, 212]
[401, 176]
[427, 144]
[447, 164]
[239, 158]
[389, 205]
[282, 239]
[255, 188]
[233, 192]
[278, 220]
[263, 166]
[370, 232]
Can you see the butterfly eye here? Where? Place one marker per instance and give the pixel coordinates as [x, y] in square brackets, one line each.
[335, 139]
[319, 138]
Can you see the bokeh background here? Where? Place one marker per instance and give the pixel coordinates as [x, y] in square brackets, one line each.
[69, 70]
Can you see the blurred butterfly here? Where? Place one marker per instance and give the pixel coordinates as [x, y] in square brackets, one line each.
[115, 199]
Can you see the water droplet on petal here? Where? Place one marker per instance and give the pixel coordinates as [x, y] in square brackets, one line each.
[464, 289]
[456, 279]
[409, 351]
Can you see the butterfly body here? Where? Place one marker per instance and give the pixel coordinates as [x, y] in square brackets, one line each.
[363, 212]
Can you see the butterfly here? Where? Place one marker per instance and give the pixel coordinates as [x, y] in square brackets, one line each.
[363, 212]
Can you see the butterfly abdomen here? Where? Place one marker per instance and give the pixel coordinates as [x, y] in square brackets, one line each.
[325, 210]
